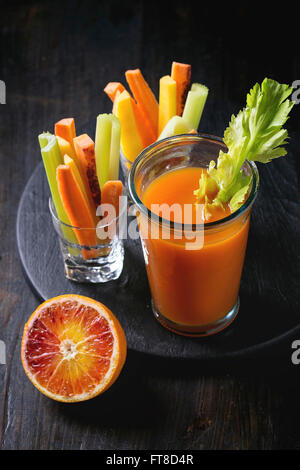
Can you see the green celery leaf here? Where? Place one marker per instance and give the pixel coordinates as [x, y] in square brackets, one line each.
[256, 134]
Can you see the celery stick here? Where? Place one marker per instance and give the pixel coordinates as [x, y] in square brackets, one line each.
[113, 171]
[194, 104]
[102, 147]
[107, 148]
[52, 158]
[175, 126]
[256, 133]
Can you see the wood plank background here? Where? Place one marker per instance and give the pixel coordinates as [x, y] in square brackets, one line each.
[55, 58]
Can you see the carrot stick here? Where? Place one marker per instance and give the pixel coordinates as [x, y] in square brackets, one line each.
[65, 148]
[181, 73]
[144, 128]
[65, 128]
[77, 209]
[144, 97]
[111, 193]
[167, 101]
[147, 134]
[130, 138]
[76, 174]
[85, 152]
[112, 88]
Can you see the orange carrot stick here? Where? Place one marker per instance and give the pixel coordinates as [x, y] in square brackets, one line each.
[181, 73]
[111, 192]
[76, 174]
[77, 209]
[65, 128]
[144, 97]
[146, 131]
[85, 152]
[112, 88]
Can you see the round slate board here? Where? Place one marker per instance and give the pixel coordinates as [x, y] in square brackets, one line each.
[265, 315]
[269, 293]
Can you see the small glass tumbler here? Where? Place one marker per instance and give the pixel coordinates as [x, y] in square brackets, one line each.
[97, 263]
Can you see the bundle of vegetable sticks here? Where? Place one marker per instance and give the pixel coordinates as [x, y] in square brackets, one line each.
[145, 120]
[82, 175]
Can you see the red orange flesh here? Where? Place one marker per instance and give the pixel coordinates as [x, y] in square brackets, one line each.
[73, 348]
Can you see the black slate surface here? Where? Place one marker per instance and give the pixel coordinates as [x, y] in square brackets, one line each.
[56, 57]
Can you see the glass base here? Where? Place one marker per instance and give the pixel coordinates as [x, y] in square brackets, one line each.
[95, 271]
[197, 331]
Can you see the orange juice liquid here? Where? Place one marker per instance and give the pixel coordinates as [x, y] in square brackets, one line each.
[199, 286]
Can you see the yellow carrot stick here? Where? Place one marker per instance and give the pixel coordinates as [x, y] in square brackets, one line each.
[130, 139]
[167, 101]
[147, 135]
[66, 148]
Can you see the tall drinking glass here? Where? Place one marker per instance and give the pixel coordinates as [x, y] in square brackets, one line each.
[194, 270]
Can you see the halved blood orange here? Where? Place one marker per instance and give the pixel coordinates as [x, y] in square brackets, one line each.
[73, 348]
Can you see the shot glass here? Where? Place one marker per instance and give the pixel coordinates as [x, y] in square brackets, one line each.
[97, 263]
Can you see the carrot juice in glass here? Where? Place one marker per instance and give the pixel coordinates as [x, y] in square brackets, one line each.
[194, 265]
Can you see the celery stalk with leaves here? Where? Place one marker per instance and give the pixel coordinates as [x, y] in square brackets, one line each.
[255, 134]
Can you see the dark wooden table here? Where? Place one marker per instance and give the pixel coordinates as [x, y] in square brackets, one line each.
[55, 59]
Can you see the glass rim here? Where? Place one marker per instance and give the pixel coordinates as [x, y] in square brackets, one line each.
[74, 227]
[180, 226]
[122, 156]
